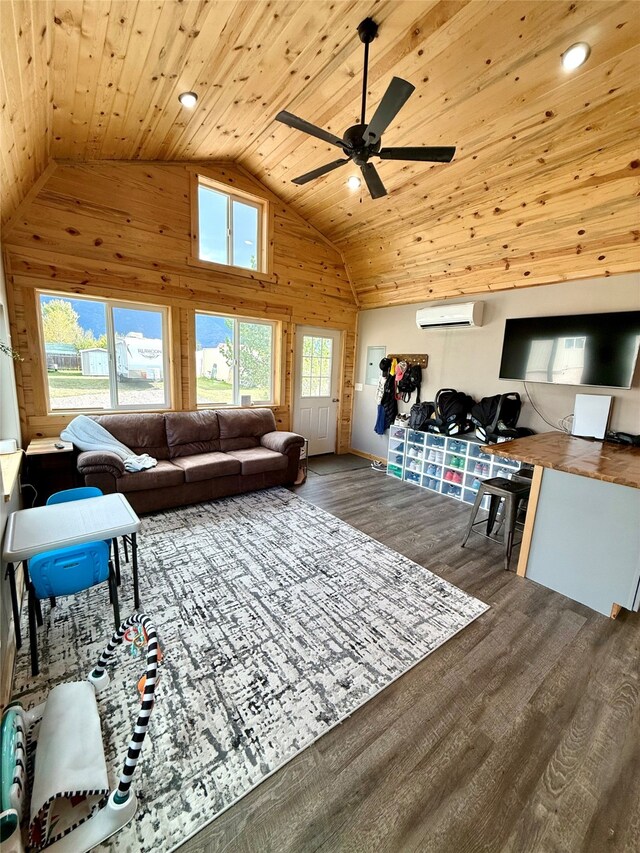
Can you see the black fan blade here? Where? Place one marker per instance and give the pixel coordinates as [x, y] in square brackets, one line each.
[306, 127]
[434, 154]
[318, 173]
[396, 96]
[372, 178]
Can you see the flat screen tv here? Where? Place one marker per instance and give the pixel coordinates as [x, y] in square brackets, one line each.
[579, 349]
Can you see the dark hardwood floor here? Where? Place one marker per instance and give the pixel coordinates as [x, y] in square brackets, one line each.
[522, 733]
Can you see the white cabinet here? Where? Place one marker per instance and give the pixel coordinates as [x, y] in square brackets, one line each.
[396, 452]
[450, 465]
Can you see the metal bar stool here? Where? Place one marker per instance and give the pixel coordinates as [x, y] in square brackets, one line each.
[499, 489]
[522, 475]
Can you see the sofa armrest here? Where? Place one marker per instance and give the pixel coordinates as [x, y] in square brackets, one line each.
[281, 442]
[100, 462]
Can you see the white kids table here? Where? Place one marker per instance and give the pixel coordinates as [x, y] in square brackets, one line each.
[47, 528]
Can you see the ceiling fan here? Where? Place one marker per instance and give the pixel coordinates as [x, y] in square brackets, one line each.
[362, 141]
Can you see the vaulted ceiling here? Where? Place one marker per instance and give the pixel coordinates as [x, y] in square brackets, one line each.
[544, 183]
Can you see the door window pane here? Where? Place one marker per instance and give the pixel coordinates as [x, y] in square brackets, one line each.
[76, 352]
[245, 235]
[316, 366]
[140, 379]
[213, 225]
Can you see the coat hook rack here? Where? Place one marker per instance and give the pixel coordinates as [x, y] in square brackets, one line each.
[411, 358]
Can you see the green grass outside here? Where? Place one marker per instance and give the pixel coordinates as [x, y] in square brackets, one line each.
[213, 391]
[72, 383]
[216, 391]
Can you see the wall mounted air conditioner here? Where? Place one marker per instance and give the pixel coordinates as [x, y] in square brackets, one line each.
[450, 315]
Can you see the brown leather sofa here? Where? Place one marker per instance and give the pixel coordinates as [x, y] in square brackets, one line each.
[201, 455]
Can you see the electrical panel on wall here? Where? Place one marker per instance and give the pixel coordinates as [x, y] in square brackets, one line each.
[374, 357]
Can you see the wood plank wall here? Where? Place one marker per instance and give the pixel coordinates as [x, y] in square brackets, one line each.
[122, 230]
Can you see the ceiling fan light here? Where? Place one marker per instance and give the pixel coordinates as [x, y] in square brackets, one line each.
[575, 56]
[362, 141]
[188, 99]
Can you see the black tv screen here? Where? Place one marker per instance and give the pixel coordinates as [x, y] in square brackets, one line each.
[580, 349]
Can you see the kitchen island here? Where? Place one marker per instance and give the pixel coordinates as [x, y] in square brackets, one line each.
[582, 529]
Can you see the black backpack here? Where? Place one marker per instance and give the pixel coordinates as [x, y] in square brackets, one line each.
[420, 415]
[497, 416]
[451, 412]
[410, 382]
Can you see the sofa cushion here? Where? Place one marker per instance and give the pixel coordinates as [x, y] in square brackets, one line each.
[141, 433]
[257, 460]
[204, 466]
[163, 475]
[243, 428]
[192, 432]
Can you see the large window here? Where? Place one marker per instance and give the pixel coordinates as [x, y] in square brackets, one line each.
[104, 354]
[230, 227]
[234, 361]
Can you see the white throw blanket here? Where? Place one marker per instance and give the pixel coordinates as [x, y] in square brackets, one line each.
[87, 434]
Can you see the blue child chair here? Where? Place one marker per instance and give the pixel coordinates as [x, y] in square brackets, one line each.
[80, 494]
[65, 572]
[74, 495]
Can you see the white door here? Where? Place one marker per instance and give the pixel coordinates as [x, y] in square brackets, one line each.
[315, 400]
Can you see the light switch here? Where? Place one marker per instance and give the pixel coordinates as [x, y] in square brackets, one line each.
[358, 386]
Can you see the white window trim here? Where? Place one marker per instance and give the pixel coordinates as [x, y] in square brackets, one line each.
[236, 362]
[111, 350]
[264, 250]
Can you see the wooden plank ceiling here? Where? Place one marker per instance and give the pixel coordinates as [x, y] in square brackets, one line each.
[544, 183]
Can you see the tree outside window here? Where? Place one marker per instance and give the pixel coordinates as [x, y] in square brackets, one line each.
[233, 358]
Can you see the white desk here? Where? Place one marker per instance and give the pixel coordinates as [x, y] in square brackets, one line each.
[47, 528]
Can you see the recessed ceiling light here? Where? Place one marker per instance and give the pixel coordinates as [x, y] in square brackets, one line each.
[188, 99]
[575, 56]
[354, 182]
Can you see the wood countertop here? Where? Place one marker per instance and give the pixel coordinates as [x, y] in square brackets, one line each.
[10, 466]
[600, 460]
[43, 446]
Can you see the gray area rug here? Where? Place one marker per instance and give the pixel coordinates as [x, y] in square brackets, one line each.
[333, 463]
[277, 622]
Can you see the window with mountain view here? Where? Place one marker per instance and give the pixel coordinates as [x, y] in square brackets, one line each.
[234, 361]
[101, 354]
[230, 227]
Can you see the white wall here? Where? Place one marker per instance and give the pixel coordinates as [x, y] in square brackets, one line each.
[9, 428]
[469, 359]
[9, 419]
